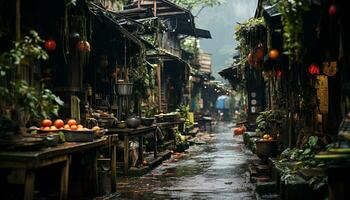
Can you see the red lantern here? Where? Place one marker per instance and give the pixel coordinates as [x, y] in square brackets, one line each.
[278, 73]
[50, 45]
[273, 54]
[250, 59]
[314, 69]
[332, 10]
[260, 54]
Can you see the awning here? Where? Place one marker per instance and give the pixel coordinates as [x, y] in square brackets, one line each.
[271, 14]
[231, 74]
[201, 33]
[168, 10]
[109, 16]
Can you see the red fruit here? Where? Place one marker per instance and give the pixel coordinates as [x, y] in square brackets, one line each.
[72, 122]
[46, 123]
[74, 127]
[59, 123]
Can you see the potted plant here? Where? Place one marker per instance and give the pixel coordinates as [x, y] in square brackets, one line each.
[20, 102]
[148, 118]
[268, 126]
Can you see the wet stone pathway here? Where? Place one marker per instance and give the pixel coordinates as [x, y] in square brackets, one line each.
[217, 170]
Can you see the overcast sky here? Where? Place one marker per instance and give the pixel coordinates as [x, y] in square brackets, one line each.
[221, 21]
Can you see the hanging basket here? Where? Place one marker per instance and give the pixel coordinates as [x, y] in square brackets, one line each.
[124, 88]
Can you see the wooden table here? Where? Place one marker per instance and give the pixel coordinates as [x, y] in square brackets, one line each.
[30, 161]
[167, 125]
[140, 132]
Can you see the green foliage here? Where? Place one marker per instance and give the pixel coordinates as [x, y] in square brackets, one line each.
[270, 121]
[248, 36]
[190, 44]
[143, 80]
[149, 110]
[292, 21]
[19, 100]
[179, 138]
[183, 110]
[190, 4]
[302, 158]
[28, 48]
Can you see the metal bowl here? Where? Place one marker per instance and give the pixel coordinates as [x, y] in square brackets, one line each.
[121, 124]
[133, 122]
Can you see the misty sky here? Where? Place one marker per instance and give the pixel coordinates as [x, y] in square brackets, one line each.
[220, 20]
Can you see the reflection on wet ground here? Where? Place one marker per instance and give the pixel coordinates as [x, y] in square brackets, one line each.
[217, 170]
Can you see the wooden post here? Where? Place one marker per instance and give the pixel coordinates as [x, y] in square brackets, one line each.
[114, 168]
[141, 150]
[64, 179]
[18, 20]
[29, 185]
[138, 3]
[159, 87]
[126, 154]
[155, 7]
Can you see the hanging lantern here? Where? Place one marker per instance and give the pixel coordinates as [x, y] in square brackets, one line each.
[314, 69]
[87, 46]
[332, 10]
[278, 73]
[273, 54]
[83, 46]
[50, 45]
[250, 58]
[260, 52]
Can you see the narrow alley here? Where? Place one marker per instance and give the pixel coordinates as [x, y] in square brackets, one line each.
[174, 99]
[217, 170]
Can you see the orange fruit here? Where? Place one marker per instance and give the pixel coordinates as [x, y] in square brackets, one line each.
[145, 162]
[66, 126]
[46, 128]
[95, 128]
[72, 122]
[273, 54]
[266, 136]
[74, 127]
[80, 126]
[46, 123]
[59, 123]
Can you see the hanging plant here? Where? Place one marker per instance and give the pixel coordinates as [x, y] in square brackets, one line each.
[292, 21]
[250, 36]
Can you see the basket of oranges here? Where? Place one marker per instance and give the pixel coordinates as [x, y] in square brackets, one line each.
[74, 132]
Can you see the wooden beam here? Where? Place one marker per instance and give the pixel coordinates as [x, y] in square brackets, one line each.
[155, 8]
[18, 20]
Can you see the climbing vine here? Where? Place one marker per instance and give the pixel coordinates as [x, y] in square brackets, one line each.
[292, 21]
[249, 35]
